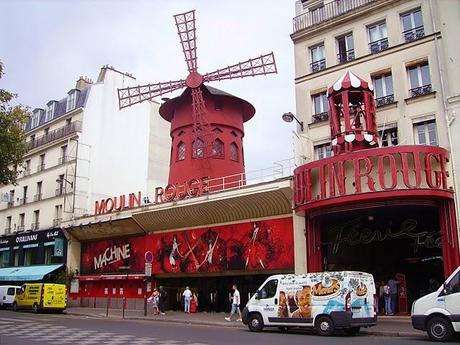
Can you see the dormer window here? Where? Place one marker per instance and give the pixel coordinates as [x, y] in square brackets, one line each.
[35, 118]
[71, 100]
[50, 111]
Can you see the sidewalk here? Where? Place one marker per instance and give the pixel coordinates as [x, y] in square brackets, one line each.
[396, 326]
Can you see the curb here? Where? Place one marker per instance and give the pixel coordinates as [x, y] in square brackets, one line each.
[230, 325]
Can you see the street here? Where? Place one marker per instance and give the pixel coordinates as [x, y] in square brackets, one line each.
[26, 328]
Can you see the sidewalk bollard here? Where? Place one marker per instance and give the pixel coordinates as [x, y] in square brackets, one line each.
[124, 306]
[107, 309]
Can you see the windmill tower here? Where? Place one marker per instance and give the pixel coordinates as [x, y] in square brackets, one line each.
[206, 123]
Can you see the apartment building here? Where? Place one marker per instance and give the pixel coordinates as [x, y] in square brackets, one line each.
[79, 149]
[405, 54]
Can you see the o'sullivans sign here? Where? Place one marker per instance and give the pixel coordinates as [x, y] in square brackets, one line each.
[372, 172]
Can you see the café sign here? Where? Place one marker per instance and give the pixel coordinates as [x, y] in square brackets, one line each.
[386, 169]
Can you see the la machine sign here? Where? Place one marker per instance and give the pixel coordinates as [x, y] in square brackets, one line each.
[191, 188]
[407, 170]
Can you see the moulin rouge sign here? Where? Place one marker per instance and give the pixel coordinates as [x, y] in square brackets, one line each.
[191, 188]
[373, 170]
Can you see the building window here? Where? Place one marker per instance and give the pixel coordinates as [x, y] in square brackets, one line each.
[36, 223]
[24, 195]
[378, 37]
[35, 119]
[181, 151]
[388, 137]
[425, 133]
[320, 107]
[318, 59]
[41, 163]
[63, 157]
[383, 89]
[345, 48]
[234, 152]
[218, 105]
[5, 257]
[8, 225]
[27, 168]
[22, 218]
[31, 255]
[419, 78]
[198, 148]
[50, 112]
[60, 187]
[71, 100]
[218, 149]
[57, 216]
[412, 23]
[322, 151]
[38, 195]
[16, 257]
[49, 253]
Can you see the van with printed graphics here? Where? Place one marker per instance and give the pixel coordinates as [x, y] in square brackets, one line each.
[438, 313]
[41, 296]
[7, 295]
[324, 301]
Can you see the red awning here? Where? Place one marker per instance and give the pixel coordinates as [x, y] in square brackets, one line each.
[112, 277]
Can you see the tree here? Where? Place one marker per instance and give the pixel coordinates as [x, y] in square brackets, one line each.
[12, 138]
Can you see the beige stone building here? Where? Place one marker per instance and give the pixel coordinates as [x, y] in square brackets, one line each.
[405, 48]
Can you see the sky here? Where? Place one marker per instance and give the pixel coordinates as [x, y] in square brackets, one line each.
[46, 45]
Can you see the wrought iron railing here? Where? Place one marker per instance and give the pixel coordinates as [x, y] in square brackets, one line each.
[420, 91]
[414, 34]
[8, 230]
[41, 167]
[381, 101]
[38, 197]
[319, 117]
[23, 201]
[35, 226]
[317, 66]
[54, 135]
[10, 204]
[346, 56]
[63, 159]
[59, 191]
[57, 222]
[378, 46]
[21, 228]
[328, 11]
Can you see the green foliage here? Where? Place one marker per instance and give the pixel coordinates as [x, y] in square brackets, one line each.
[63, 277]
[12, 139]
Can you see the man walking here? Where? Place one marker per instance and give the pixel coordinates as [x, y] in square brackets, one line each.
[235, 304]
[187, 294]
[162, 300]
[393, 285]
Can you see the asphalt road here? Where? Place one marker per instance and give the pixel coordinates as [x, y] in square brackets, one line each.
[23, 328]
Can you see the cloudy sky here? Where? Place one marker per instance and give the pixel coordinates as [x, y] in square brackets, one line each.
[46, 45]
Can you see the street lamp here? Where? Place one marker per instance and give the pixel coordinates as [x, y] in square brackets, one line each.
[289, 117]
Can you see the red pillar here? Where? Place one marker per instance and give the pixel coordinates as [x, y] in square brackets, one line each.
[449, 235]
[314, 255]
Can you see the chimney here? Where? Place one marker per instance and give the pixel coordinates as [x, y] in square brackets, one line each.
[83, 83]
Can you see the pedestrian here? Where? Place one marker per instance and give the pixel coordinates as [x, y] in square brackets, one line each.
[162, 295]
[387, 298]
[235, 304]
[187, 294]
[393, 285]
[154, 300]
[381, 308]
[194, 303]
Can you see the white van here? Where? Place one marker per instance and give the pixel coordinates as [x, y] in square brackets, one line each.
[7, 295]
[324, 301]
[438, 313]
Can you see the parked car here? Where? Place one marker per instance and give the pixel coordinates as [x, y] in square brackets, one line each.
[7, 294]
[438, 313]
[41, 296]
[324, 301]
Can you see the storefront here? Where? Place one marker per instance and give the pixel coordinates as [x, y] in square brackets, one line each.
[384, 210]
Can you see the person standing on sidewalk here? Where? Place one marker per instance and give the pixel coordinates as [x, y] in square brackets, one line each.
[235, 304]
[393, 285]
[187, 294]
[162, 300]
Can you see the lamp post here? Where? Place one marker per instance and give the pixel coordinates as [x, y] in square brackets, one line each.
[289, 117]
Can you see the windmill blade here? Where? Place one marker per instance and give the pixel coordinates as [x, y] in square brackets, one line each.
[265, 64]
[185, 23]
[137, 94]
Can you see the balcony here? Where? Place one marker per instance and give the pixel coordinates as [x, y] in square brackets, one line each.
[414, 34]
[41, 167]
[377, 46]
[54, 135]
[346, 56]
[420, 91]
[10, 204]
[331, 10]
[26, 172]
[57, 222]
[8, 230]
[63, 159]
[21, 228]
[318, 65]
[38, 197]
[35, 226]
[382, 101]
[59, 191]
[320, 117]
[23, 201]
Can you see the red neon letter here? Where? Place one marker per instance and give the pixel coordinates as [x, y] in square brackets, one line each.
[359, 175]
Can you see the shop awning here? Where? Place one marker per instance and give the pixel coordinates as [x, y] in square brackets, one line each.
[27, 273]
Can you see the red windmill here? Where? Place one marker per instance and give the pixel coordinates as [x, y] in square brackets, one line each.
[189, 114]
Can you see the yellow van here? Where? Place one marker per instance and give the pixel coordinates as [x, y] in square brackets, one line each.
[41, 296]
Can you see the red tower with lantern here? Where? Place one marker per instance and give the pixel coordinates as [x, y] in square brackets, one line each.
[206, 123]
[352, 114]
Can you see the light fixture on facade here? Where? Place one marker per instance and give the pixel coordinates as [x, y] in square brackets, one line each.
[289, 117]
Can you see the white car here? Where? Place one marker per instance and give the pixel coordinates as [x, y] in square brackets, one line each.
[323, 301]
[438, 313]
[7, 294]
